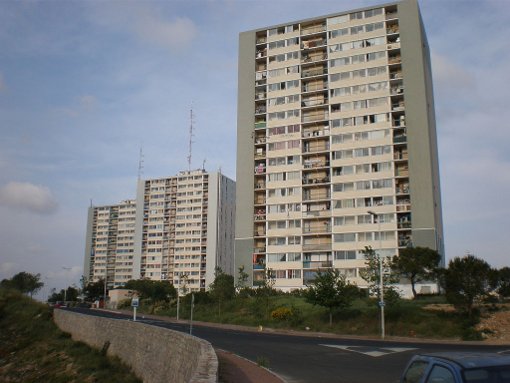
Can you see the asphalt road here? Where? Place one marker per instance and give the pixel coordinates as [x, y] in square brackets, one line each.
[309, 359]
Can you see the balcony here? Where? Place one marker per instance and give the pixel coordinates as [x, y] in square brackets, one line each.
[315, 180]
[314, 86]
[325, 229]
[400, 139]
[317, 264]
[313, 57]
[316, 246]
[320, 195]
[309, 103]
[313, 43]
[317, 213]
[309, 30]
[307, 148]
[260, 169]
[260, 125]
[314, 72]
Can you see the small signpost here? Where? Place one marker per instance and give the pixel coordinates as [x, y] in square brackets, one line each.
[134, 303]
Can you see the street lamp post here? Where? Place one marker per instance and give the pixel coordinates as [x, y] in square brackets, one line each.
[65, 287]
[381, 281]
[178, 297]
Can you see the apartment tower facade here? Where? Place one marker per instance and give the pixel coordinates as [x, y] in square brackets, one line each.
[335, 120]
[181, 228]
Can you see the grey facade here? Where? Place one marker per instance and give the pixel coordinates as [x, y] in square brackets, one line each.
[335, 119]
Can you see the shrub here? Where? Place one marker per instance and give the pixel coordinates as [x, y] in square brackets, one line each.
[282, 314]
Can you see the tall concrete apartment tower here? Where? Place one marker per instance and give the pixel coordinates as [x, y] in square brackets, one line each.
[109, 244]
[179, 229]
[335, 120]
[185, 228]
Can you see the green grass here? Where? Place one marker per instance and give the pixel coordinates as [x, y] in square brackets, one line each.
[407, 319]
[33, 349]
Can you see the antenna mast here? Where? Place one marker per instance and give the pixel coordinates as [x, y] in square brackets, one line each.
[191, 115]
[140, 164]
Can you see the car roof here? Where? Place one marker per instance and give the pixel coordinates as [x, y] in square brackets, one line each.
[473, 359]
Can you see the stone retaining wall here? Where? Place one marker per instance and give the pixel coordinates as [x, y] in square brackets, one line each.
[155, 354]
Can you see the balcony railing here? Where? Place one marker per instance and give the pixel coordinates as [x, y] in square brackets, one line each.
[317, 264]
[314, 29]
[312, 43]
[317, 246]
[314, 72]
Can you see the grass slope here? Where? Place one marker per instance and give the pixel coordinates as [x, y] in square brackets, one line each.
[408, 318]
[33, 349]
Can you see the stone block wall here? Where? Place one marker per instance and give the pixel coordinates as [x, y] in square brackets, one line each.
[155, 354]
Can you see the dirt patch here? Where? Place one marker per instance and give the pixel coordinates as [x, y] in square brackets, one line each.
[496, 326]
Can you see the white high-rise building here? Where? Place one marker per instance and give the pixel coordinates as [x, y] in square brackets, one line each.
[336, 127]
[181, 229]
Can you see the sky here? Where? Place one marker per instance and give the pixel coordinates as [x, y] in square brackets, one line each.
[85, 85]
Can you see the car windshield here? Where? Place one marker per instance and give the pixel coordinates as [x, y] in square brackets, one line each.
[500, 374]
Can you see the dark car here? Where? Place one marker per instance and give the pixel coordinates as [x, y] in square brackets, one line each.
[458, 367]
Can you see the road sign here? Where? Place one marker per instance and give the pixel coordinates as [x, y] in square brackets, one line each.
[135, 302]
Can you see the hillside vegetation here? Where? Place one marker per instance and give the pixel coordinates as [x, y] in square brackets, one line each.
[406, 318]
[33, 349]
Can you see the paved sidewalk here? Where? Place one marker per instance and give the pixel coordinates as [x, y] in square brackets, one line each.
[234, 369]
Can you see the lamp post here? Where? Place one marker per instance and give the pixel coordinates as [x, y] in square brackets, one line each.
[65, 287]
[178, 288]
[381, 282]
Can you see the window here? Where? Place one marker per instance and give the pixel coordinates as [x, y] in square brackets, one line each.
[348, 220]
[338, 19]
[345, 255]
[346, 237]
[440, 374]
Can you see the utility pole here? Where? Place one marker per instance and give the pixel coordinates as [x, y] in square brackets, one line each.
[377, 218]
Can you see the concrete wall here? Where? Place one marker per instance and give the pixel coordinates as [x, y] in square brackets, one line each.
[155, 354]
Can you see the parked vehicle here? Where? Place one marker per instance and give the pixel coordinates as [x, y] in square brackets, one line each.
[458, 367]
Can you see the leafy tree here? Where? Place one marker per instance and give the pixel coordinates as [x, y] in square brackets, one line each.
[331, 290]
[24, 282]
[416, 264]
[94, 290]
[156, 291]
[153, 291]
[371, 272]
[222, 289]
[242, 278]
[466, 281]
[69, 294]
[502, 282]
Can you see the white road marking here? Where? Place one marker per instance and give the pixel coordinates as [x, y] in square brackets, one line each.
[370, 350]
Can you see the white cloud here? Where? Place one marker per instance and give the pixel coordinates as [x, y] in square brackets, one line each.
[8, 269]
[448, 76]
[88, 102]
[146, 22]
[171, 34]
[26, 196]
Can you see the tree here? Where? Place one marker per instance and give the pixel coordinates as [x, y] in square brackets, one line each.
[371, 272]
[466, 281]
[222, 289]
[24, 282]
[93, 290]
[156, 291]
[242, 278]
[331, 290]
[502, 281]
[416, 264]
[69, 294]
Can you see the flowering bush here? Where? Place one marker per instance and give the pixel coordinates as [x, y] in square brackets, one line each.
[282, 313]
